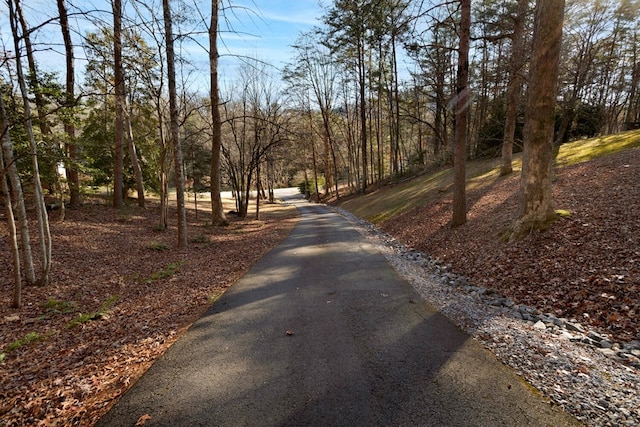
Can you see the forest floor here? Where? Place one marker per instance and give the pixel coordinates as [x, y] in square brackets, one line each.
[119, 295]
[586, 266]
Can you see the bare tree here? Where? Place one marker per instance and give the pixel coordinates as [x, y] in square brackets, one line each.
[174, 126]
[118, 72]
[43, 220]
[217, 212]
[71, 147]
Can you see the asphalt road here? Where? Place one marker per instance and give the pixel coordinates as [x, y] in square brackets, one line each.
[323, 332]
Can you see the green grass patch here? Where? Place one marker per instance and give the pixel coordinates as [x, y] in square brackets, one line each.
[163, 273]
[158, 246]
[584, 150]
[54, 306]
[104, 310]
[430, 188]
[26, 340]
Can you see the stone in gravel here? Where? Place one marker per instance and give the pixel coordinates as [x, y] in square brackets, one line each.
[574, 326]
[568, 335]
[540, 325]
[595, 336]
[607, 352]
[588, 341]
[605, 344]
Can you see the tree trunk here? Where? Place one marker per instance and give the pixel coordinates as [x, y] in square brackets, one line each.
[11, 171]
[118, 163]
[536, 205]
[11, 223]
[41, 211]
[513, 88]
[462, 112]
[13, 235]
[217, 211]
[71, 168]
[258, 178]
[363, 115]
[175, 127]
[135, 164]
[33, 74]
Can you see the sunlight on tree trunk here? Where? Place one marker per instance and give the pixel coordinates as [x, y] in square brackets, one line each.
[462, 118]
[217, 211]
[41, 211]
[514, 87]
[536, 204]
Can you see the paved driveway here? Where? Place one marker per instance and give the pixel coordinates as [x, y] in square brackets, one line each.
[323, 332]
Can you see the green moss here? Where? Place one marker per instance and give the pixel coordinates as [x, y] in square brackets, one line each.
[168, 271]
[157, 246]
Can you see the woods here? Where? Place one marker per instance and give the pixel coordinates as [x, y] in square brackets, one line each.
[371, 95]
[131, 110]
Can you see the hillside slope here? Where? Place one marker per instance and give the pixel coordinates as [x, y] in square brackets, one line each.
[586, 266]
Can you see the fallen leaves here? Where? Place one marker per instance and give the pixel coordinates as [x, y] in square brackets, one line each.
[586, 266]
[102, 266]
[143, 420]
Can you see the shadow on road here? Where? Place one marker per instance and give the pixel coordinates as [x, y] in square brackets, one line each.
[323, 332]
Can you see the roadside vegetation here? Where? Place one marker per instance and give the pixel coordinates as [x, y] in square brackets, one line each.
[586, 266]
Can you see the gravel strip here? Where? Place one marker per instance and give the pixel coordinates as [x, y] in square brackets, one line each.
[582, 371]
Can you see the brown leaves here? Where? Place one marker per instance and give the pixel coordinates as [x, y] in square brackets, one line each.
[143, 420]
[74, 375]
[586, 264]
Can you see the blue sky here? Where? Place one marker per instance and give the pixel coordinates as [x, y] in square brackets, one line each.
[264, 29]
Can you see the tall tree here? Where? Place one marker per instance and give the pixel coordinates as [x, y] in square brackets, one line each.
[217, 212]
[9, 175]
[174, 126]
[71, 167]
[41, 211]
[314, 70]
[348, 29]
[514, 87]
[118, 72]
[536, 204]
[462, 118]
